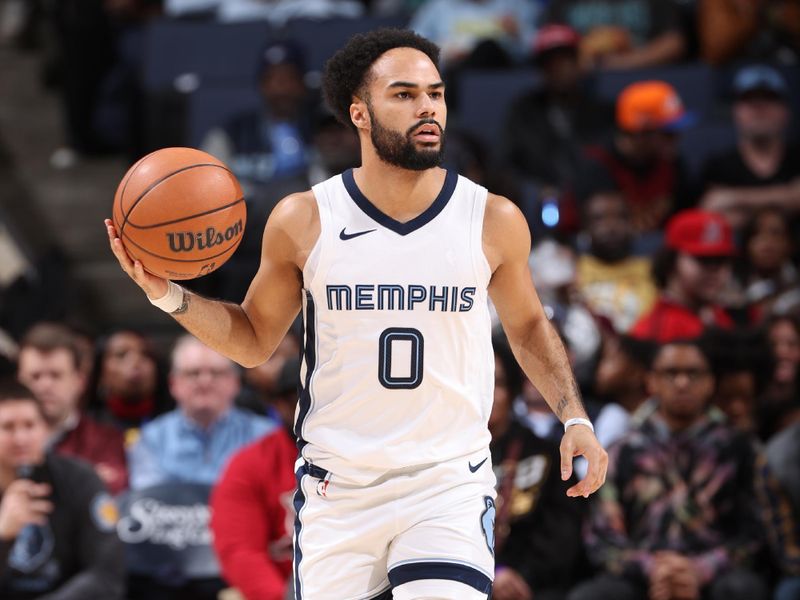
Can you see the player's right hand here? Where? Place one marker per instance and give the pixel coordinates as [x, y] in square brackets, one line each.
[24, 503]
[155, 287]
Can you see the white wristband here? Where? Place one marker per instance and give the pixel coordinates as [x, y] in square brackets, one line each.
[578, 421]
[171, 301]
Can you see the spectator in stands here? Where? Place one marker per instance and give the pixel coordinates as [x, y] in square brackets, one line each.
[270, 143]
[620, 383]
[283, 400]
[731, 30]
[623, 34]
[85, 343]
[84, 42]
[742, 368]
[779, 407]
[279, 12]
[128, 389]
[49, 365]
[642, 160]
[334, 147]
[767, 278]
[552, 266]
[691, 271]
[478, 33]
[783, 332]
[545, 128]
[265, 378]
[662, 528]
[192, 443]
[537, 528]
[783, 456]
[764, 168]
[57, 523]
[613, 282]
[253, 517]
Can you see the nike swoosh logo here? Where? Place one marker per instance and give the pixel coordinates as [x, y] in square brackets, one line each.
[350, 236]
[472, 468]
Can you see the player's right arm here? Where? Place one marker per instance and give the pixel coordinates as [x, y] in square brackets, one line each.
[250, 332]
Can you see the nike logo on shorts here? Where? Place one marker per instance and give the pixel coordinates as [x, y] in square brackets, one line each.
[473, 468]
[350, 236]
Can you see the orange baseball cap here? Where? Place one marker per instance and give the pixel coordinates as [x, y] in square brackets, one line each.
[648, 105]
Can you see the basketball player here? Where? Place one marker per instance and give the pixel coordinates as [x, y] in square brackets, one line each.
[393, 265]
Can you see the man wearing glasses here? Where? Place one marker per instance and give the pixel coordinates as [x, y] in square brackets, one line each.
[192, 443]
[676, 517]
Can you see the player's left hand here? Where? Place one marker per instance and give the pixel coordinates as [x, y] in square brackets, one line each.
[580, 440]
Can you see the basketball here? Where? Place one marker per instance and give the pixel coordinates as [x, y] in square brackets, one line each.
[179, 211]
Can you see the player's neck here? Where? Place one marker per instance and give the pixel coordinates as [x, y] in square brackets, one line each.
[399, 193]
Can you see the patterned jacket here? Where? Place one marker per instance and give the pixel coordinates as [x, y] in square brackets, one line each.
[692, 492]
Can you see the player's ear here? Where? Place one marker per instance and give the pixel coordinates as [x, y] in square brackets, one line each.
[359, 114]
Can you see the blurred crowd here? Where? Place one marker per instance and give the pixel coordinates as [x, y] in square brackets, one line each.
[664, 257]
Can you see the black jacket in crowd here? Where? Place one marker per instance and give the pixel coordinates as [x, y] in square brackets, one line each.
[76, 555]
[540, 537]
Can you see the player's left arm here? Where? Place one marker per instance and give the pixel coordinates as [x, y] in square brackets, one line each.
[536, 344]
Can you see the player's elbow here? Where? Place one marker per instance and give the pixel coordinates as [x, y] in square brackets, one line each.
[250, 361]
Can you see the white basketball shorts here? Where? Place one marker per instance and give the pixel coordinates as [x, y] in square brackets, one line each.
[423, 532]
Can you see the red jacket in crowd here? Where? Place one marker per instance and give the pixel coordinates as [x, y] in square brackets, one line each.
[668, 321]
[101, 445]
[252, 517]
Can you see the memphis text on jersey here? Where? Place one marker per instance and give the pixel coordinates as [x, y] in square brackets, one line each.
[400, 297]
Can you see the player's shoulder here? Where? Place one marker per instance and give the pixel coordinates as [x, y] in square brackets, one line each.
[297, 217]
[502, 215]
[505, 231]
[298, 207]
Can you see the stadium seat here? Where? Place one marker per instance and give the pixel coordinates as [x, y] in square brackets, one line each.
[700, 142]
[693, 83]
[211, 52]
[322, 38]
[484, 98]
[209, 106]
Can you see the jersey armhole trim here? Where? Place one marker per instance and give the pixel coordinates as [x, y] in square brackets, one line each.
[315, 257]
[483, 271]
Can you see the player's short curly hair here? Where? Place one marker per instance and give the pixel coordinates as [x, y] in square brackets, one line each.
[346, 71]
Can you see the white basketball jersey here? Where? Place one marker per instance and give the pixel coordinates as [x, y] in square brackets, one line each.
[398, 367]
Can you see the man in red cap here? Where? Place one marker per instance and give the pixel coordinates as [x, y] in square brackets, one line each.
[642, 160]
[692, 271]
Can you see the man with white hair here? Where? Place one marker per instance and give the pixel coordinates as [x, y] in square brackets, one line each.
[192, 443]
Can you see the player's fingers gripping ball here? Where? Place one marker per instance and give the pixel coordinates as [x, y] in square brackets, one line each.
[179, 211]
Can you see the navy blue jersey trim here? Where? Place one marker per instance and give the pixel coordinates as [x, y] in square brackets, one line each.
[299, 502]
[450, 181]
[440, 570]
[310, 353]
[384, 595]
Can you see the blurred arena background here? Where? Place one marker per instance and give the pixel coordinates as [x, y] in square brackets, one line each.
[637, 136]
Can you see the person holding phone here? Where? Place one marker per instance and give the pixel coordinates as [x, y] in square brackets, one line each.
[57, 521]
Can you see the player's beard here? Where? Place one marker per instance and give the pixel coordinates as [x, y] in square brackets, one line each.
[400, 151]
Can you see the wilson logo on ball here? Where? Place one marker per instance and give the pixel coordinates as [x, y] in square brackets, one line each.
[186, 241]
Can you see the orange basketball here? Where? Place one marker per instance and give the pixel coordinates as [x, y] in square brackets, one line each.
[181, 212]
